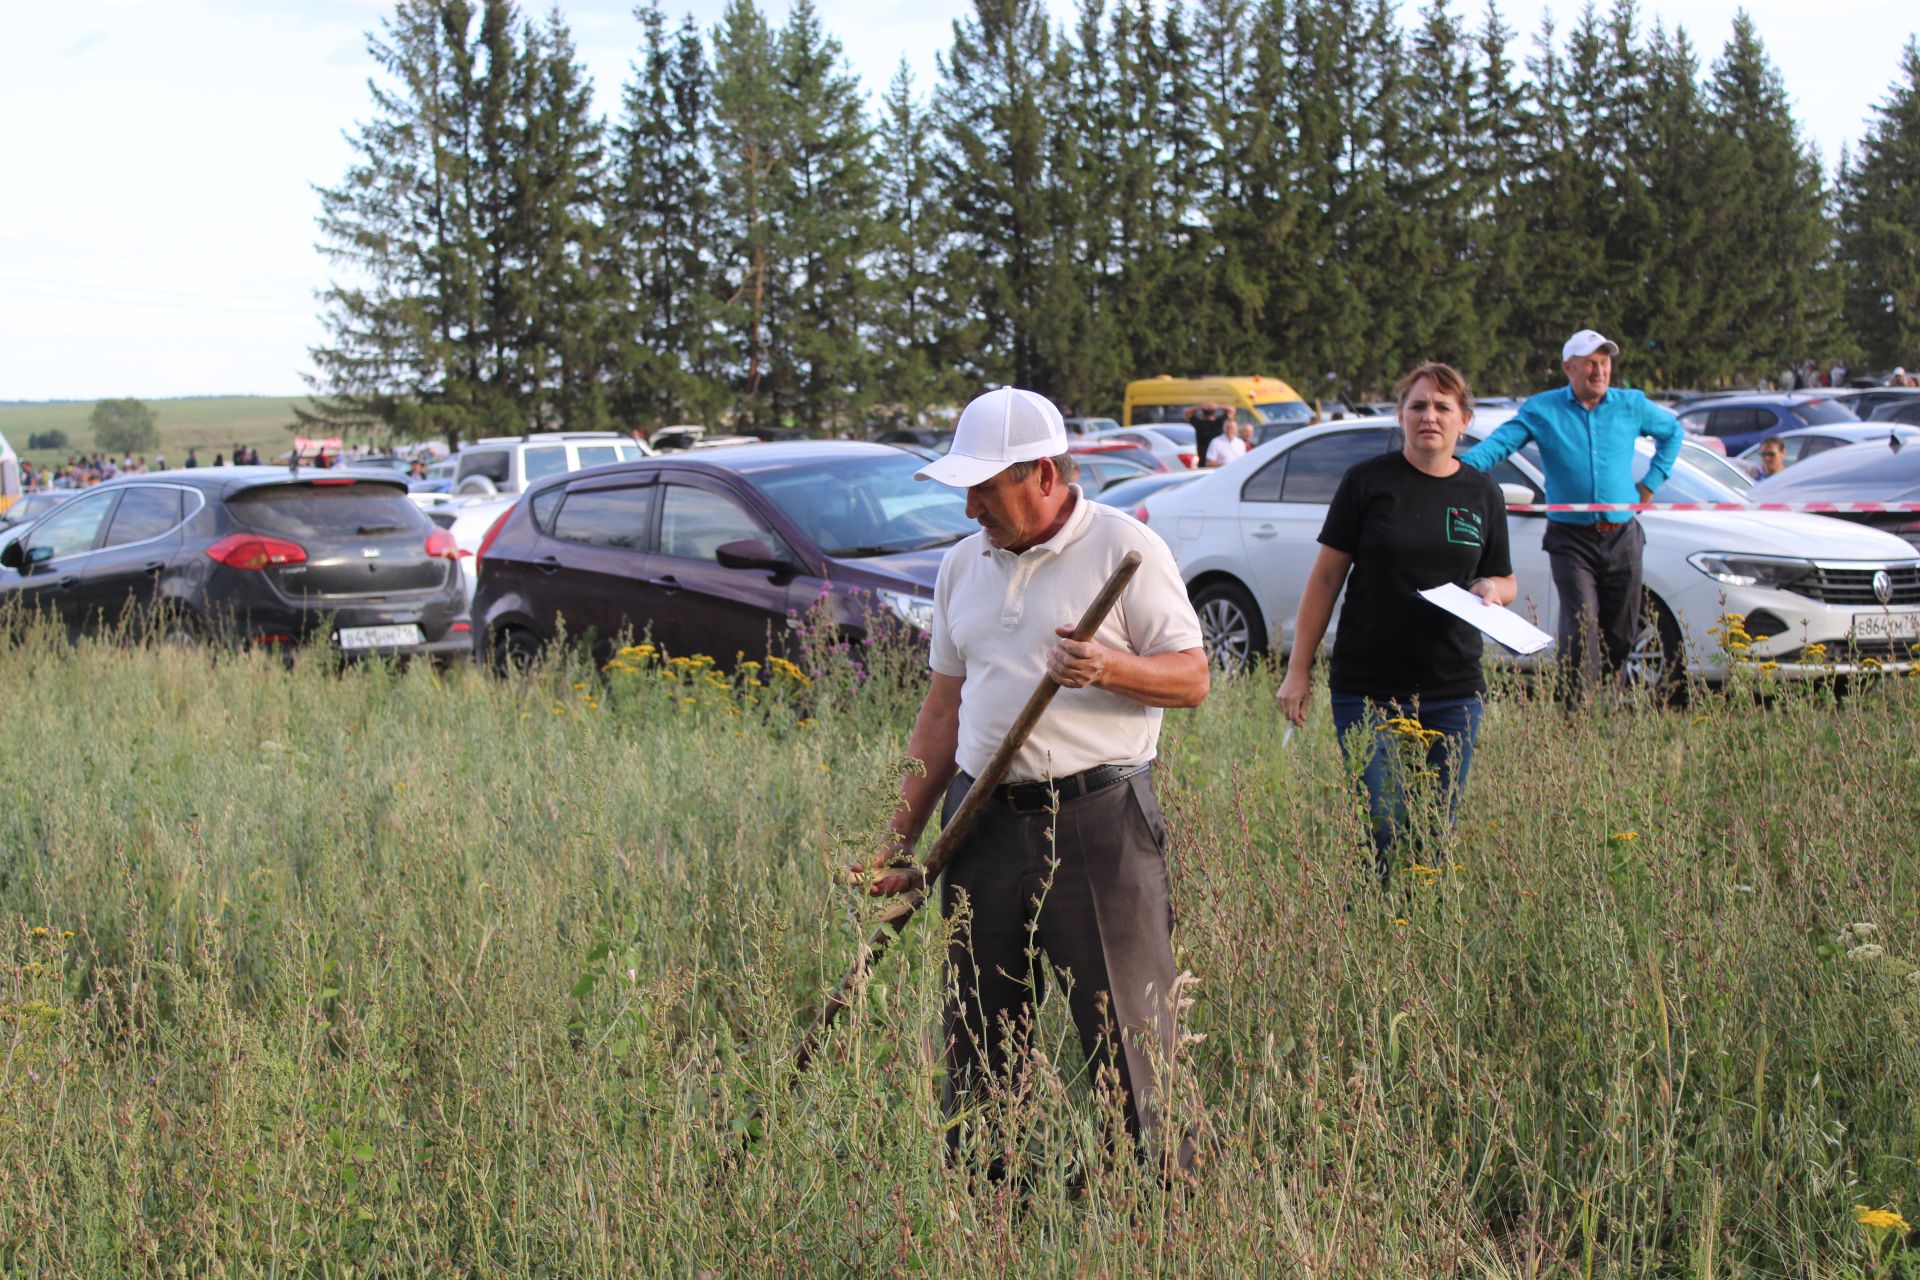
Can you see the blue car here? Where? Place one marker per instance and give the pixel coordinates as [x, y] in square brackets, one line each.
[1744, 420]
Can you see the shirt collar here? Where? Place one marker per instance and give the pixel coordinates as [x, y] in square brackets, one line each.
[1076, 525]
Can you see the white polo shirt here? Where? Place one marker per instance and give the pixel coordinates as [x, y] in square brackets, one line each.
[994, 615]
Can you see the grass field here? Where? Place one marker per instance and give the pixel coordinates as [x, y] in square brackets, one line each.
[212, 424]
[388, 973]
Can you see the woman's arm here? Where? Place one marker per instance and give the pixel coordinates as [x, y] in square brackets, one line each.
[1324, 580]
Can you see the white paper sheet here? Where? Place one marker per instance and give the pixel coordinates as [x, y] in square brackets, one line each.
[1503, 624]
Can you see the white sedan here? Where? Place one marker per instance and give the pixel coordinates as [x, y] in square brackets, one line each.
[1245, 536]
[1171, 442]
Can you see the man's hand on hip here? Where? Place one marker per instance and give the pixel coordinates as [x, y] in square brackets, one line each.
[1646, 494]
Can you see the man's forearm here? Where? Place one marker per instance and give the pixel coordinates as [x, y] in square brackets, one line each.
[1164, 680]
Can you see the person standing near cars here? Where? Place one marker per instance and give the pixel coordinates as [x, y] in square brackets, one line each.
[1231, 444]
[1209, 422]
[1773, 457]
[1070, 854]
[1585, 433]
[1404, 668]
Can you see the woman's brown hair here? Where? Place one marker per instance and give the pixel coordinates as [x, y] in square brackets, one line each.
[1446, 380]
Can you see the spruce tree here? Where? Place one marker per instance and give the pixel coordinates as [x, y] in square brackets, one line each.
[749, 134]
[1880, 225]
[915, 322]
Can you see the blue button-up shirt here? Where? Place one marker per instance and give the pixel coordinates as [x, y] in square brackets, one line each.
[1587, 454]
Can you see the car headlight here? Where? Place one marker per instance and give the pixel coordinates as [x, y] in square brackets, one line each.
[915, 611]
[1750, 571]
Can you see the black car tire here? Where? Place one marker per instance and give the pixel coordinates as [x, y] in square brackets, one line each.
[1231, 629]
[514, 651]
[1658, 660]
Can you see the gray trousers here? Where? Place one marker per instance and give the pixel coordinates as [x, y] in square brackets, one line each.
[1094, 900]
[1597, 577]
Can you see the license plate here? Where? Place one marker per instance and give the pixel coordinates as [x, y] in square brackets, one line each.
[1886, 626]
[380, 637]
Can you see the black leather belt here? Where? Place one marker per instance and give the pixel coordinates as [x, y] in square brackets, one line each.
[1037, 797]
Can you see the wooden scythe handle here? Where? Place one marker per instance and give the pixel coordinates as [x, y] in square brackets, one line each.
[955, 831]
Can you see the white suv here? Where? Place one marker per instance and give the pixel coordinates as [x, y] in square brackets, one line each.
[508, 464]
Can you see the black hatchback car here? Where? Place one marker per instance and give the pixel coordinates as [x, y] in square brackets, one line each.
[716, 551]
[259, 555]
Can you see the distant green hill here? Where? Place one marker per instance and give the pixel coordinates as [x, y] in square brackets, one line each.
[211, 424]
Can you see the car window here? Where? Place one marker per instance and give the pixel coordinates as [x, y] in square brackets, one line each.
[538, 464]
[1820, 413]
[605, 517]
[145, 511]
[1315, 467]
[629, 452]
[1806, 446]
[74, 528]
[328, 509]
[542, 506]
[1296, 413]
[599, 455]
[694, 523]
[1264, 484]
[491, 463]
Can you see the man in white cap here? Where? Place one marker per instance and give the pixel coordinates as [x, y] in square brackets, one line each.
[1071, 854]
[1585, 432]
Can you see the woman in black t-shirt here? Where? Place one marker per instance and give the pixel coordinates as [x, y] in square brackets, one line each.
[1405, 675]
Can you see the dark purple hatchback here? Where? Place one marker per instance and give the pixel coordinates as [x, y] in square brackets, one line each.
[715, 551]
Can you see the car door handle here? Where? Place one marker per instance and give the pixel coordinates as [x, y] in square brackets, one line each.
[1266, 531]
[153, 566]
[67, 583]
[668, 584]
[547, 564]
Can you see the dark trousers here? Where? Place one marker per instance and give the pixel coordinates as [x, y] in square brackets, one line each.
[1597, 576]
[1094, 900]
[1391, 753]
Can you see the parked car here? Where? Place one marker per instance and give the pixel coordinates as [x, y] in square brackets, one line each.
[1807, 442]
[674, 439]
[1870, 472]
[253, 554]
[29, 507]
[1171, 442]
[1246, 534]
[1866, 402]
[713, 551]
[509, 464]
[1102, 463]
[1077, 427]
[1742, 420]
[937, 438]
[1129, 495]
[1905, 411]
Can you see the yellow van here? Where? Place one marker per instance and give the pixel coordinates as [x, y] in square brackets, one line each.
[1256, 400]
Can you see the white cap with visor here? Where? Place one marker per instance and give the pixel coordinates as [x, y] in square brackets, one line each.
[995, 431]
[1586, 342]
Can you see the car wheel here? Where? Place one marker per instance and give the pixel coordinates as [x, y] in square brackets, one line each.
[1658, 660]
[1230, 626]
[514, 651]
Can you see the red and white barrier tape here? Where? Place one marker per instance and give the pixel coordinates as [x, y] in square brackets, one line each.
[1818, 508]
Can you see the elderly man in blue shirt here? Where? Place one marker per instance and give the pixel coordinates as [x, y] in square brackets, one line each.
[1585, 432]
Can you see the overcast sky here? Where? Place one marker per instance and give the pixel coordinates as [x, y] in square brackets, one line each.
[156, 231]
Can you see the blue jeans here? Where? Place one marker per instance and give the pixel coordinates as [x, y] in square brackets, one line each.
[1362, 725]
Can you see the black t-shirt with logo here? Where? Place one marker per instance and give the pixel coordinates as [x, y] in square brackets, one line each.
[1408, 531]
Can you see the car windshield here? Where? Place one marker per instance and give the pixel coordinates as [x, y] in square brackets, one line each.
[1287, 412]
[327, 509]
[868, 506]
[1716, 466]
[1690, 482]
[1820, 413]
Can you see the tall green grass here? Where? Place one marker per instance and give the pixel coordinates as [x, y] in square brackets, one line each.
[379, 971]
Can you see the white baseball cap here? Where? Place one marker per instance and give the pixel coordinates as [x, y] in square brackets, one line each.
[1586, 342]
[995, 431]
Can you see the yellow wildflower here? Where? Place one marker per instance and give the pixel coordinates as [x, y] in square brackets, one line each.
[1880, 1219]
[1400, 921]
[1623, 837]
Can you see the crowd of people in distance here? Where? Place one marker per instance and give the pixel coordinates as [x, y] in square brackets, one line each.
[1808, 375]
[83, 471]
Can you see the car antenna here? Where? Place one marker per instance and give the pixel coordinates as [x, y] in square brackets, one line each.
[1893, 441]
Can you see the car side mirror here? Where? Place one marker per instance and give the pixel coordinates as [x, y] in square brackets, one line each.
[13, 556]
[750, 553]
[1517, 495]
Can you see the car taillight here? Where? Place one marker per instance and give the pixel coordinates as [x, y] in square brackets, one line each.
[1140, 513]
[251, 551]
[1186, 460]
[440, 545]
[486, 543]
